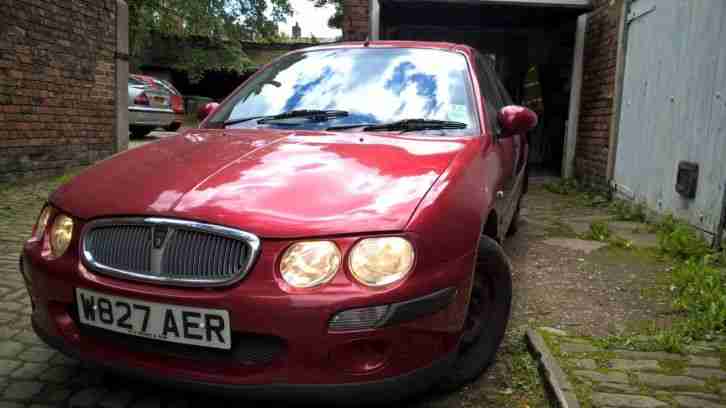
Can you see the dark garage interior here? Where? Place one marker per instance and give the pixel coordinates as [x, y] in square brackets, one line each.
[531, 44]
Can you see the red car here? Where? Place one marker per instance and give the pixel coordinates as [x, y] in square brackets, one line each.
[330, 232]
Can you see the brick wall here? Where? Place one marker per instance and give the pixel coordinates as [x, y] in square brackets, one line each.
[355, 20]
[57, 85]
[598, 89]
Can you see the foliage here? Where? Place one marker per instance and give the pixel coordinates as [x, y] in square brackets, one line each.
[336, 20]
[698, 288]
[680, 241]
[563, 186]
[585, 196]
[599, 231]
[223, 23]
[700, 292]
[628, 211]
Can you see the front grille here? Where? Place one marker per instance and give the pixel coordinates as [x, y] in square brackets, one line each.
[168, 251]
[123, 247]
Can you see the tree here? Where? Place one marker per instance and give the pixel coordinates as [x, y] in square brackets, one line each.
[219, 24]
[336, 20]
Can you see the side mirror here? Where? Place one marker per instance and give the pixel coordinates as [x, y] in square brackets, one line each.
[206, 110]
[516, 119]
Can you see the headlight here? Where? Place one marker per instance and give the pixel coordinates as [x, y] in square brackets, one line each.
[60, 235]
[308, 264]
[42, 223]
[381, 261]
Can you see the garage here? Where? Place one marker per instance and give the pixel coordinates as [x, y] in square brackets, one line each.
[536, 46]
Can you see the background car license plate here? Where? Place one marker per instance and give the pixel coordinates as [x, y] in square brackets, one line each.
[174, 323]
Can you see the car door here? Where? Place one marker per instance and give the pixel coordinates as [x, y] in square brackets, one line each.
[503, 147]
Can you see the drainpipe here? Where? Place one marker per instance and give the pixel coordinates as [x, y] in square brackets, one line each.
[721, 223]
[122, 76]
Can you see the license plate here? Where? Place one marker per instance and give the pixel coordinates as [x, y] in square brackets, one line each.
[158, 321]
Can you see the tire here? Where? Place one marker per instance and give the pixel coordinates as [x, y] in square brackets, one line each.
[137, 132]
[486, 322]
[173, 127]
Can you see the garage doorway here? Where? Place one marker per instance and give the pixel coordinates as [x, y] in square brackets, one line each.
[533, 45]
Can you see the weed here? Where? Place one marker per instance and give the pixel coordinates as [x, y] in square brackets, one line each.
[628, 211]
[599, 231]
[698, 287]
[619, 242]
[592, 199]
[525, 374]
[700, 292]
[681, 242]
[563, 186]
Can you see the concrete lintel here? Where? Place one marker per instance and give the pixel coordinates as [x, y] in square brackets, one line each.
[585, 5]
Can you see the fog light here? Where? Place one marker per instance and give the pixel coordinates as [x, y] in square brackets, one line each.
[358, 319]
[361, 356]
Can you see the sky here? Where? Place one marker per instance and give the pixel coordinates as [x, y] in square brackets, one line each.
[312, 20]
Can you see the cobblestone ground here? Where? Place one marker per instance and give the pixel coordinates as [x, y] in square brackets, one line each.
[31, 374]
[630, 379]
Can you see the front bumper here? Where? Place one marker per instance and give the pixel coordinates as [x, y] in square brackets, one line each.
[411, 351]
[388, 389]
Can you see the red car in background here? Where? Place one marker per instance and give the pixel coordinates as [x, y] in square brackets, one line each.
[331, 232]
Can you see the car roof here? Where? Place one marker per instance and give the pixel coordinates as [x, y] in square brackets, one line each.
[392, 44]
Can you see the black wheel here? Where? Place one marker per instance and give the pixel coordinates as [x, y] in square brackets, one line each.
[137, 132]
[173, 127]
[486, 321]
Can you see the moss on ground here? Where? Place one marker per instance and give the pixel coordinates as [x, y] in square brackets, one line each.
[672, 367]
[603, 357]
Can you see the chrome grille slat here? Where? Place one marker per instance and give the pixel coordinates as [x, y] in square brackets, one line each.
[191, 253]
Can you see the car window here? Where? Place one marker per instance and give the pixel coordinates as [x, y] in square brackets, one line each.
[135, 82]
[504, 93]
[375, 85]
[488, 89]
[166, 85]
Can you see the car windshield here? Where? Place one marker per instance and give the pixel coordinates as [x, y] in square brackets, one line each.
[373, 85]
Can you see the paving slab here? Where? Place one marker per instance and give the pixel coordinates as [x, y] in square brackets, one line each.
[704, 361]
[634, 365]
[636, 379]
[692, 402]
[608, 400]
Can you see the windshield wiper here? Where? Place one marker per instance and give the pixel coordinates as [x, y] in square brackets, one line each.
[410, 125]
[313, 114]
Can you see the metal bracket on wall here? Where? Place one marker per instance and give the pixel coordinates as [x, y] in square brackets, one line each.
[638, 12]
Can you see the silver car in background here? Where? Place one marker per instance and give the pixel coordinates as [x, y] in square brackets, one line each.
[150, 106]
